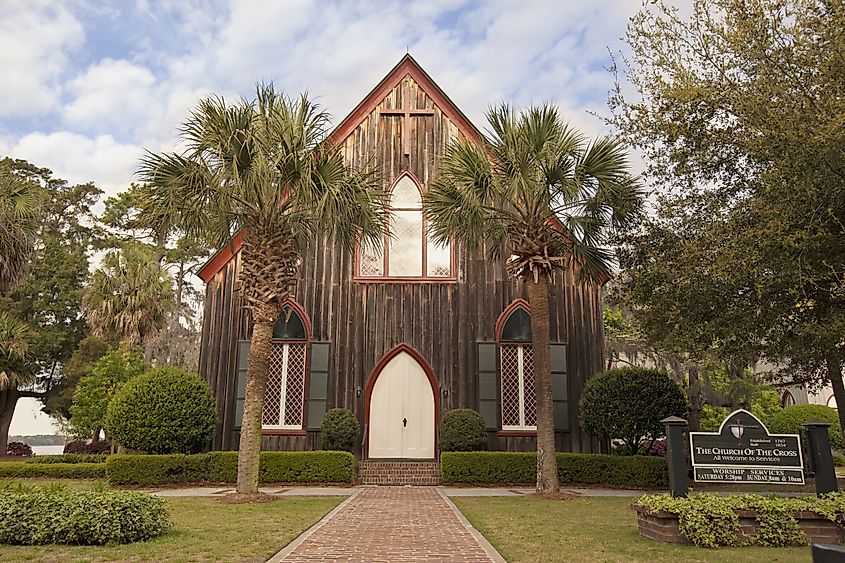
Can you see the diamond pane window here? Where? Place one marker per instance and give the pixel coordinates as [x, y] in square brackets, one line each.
[407, 252]
[519, 403]
[438, 259]
[516, 372]
[284, 399]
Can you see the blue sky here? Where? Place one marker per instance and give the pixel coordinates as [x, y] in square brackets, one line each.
[87, 86]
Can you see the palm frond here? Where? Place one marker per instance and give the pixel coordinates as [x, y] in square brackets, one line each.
[537, 190]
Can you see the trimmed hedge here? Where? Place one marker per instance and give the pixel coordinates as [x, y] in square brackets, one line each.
[577, 469]
[27, 469]
[222, 467]
[69, 458]
[58, 515]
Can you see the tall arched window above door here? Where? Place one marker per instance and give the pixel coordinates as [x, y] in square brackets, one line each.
[408, 253]
[516, 370]
[285, 398]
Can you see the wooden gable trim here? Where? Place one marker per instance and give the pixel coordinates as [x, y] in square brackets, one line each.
[222, 257]
[408, 65]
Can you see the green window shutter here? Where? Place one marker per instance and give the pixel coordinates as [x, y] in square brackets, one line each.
[488, 385]
[560, 386]
[318, 384]
[240, 382]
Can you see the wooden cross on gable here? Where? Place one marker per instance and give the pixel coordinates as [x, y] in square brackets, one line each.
[407, 112]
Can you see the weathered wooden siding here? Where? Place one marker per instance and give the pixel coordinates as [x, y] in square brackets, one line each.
[442, 321]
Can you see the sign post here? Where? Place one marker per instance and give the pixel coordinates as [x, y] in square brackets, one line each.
[819, 442]
[743, 451]
[678, 477]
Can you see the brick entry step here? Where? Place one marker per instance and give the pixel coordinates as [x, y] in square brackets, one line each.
[373, 472]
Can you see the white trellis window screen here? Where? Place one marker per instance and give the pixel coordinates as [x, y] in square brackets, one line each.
[285, 397]
[519, 404]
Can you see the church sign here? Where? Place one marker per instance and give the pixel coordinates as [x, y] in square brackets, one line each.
[743, 451]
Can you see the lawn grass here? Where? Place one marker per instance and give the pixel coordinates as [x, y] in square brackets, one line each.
[204, 530]
[590, 530]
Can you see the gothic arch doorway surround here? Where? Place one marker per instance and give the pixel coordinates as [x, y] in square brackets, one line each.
[401, 407]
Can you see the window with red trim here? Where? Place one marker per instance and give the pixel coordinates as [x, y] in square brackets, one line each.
[285, 398]
[516, 372]
[408, 252]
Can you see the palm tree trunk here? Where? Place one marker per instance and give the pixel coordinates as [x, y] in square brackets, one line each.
[258, 369]
[834, 372]
[538, 298]
[8, 401]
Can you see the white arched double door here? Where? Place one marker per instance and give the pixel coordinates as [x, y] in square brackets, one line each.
[402, 411]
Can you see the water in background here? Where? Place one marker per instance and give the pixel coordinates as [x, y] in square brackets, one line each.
[47, 450]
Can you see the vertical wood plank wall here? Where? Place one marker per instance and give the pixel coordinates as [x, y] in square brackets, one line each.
[363, 321]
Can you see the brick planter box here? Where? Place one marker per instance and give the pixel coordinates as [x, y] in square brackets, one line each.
[663, 526]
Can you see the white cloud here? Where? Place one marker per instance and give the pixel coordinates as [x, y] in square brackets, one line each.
[113, 95]
[81, 159]
[35, 40]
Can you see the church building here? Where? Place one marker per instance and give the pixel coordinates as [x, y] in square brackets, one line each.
[401, 335]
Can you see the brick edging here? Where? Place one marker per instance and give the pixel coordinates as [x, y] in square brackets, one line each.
[288, 549]
[488, 548]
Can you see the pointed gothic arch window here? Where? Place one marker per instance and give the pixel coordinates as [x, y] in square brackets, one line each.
[787, 399]
[408, 253]
[516, 369]
[284, 401]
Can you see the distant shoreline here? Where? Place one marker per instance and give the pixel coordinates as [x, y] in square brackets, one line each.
[40, 439]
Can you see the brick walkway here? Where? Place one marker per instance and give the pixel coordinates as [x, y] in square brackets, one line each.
[391, 524]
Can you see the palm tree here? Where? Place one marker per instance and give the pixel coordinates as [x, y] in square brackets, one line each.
[20, 205]
[129, 296]
[14, 349]
[262, 167]
[535, 189]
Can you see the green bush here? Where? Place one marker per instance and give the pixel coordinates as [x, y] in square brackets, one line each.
[339, 430]
[27, 469]
[166, 410]
[222, 467]
[58, 515]
[790, 420]
[287, 467]
[710, 520]
[577, 469]
[69, 458]
[629, 403]
[462, 430]
[139, 469]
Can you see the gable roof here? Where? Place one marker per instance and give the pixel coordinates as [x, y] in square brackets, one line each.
[407, 65]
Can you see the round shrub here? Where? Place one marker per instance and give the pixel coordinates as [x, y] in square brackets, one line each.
[82, 447]
[339, 430]
[58, 515]
[165, 410]
[629, 403]
[21, 449]
[462, 430]
[791, 419]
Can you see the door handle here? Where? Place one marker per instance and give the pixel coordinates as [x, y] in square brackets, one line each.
[404, 422]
